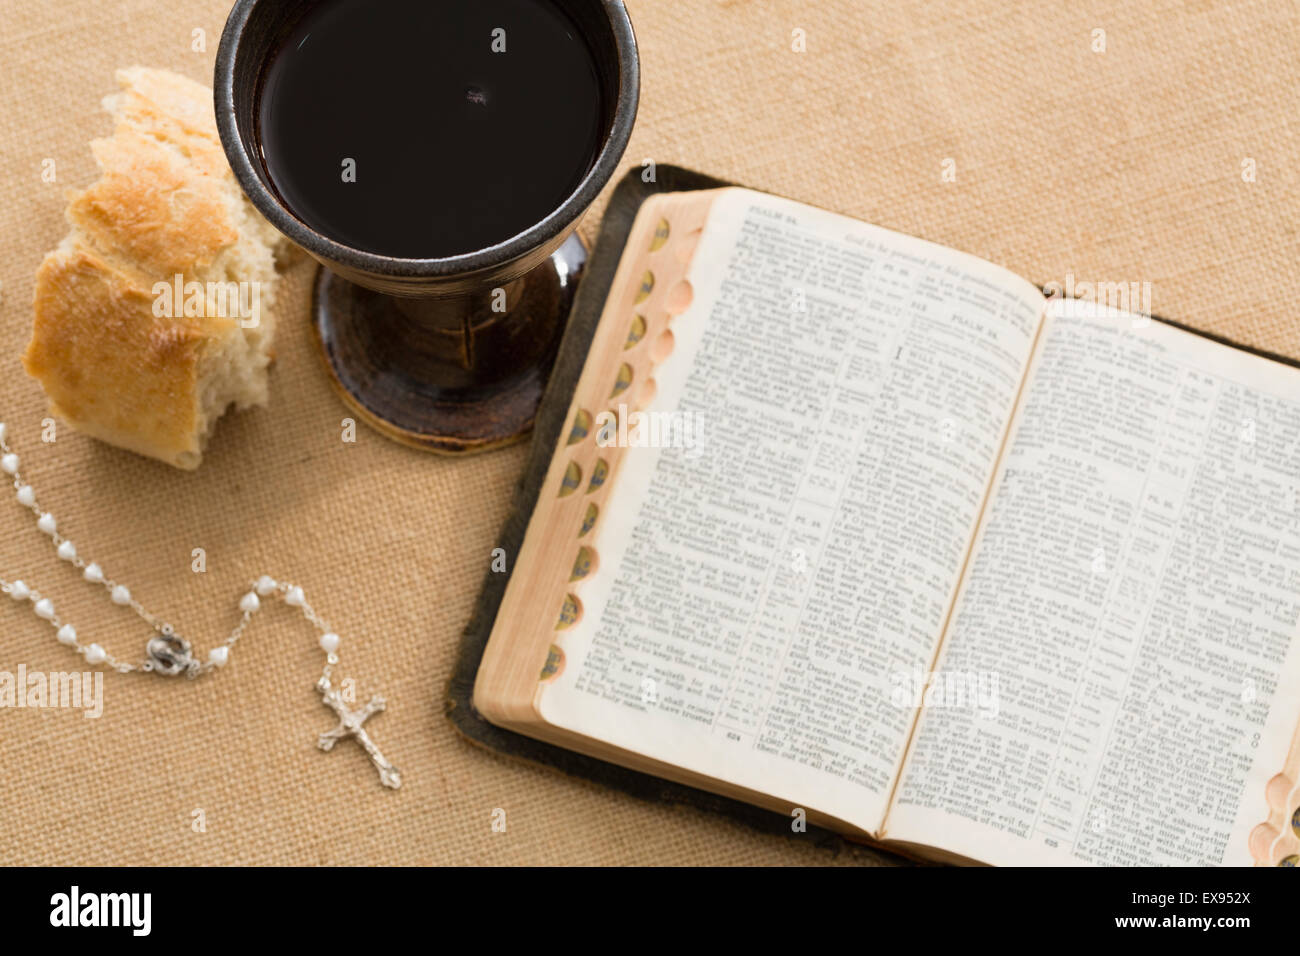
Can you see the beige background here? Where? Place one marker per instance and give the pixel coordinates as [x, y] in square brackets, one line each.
[1122, 166]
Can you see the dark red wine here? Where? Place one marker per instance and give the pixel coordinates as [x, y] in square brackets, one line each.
[457, 143]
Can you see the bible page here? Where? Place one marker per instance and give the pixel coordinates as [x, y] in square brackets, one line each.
[850, 388]
[1130, 609]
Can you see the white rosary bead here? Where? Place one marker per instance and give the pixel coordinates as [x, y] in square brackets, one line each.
[218, 656]
[4, 431]
[67, 550]
[329, 643]
[121, 595]
[295, 597]
[67, 635]
[47, 523]
[93, 573]
[249, 603]
[95, 654]
[19, 591]
[9, 463]
[44, 609]
[26, 496]
[265, 585]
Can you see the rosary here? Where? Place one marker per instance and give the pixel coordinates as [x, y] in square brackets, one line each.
[168, 653]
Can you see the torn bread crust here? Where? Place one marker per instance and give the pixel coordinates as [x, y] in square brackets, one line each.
[119, 361]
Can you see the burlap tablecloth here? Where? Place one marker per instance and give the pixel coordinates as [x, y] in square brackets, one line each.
[1122, 164]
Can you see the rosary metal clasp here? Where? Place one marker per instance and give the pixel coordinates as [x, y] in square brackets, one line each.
[170, 655]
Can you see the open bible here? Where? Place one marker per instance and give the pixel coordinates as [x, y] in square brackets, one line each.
[850, 525]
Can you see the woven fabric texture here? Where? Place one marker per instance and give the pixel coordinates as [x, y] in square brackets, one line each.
[1169, 156]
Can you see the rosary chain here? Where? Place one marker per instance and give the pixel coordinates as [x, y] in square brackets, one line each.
[120, 595]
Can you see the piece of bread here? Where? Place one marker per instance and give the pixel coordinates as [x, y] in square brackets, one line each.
[121, 356]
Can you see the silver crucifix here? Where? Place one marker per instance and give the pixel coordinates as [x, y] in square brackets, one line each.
[350, 725]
